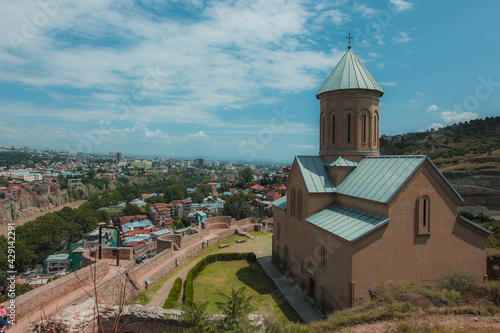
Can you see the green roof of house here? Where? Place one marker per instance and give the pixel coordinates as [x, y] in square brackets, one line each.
[341, 162]
[379, 178]
[347, 223]
[280, 203]
[475, 225]
[349, 74]
[315, 175]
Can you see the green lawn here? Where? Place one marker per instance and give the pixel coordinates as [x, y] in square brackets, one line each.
[225, 276]
[261, 246]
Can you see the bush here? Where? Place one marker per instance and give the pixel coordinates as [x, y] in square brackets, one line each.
[459, 280]
[193, 273]
[173, 295]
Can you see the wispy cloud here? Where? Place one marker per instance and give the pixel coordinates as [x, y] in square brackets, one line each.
[401, 5]
[390, 83]
[402, 37]
[298, 146]
[433, 107]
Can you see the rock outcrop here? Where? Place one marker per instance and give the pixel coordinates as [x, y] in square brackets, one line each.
[31, 205]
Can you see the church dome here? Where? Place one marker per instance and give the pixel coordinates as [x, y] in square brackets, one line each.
[349, 74]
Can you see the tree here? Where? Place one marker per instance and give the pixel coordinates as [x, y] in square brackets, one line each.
[2, 195]
[236, 206]
[175, 192]
[130, 210]
[197, 197]
[206, 190]
[246, 175]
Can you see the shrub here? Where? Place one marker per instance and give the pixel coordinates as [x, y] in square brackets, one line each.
[459, 280]
[173, 295]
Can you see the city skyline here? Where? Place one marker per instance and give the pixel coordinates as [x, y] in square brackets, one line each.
[233, 79]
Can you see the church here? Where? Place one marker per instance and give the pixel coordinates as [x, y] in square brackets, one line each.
[353, 219]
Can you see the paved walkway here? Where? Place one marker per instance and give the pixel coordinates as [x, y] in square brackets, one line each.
[291, 292]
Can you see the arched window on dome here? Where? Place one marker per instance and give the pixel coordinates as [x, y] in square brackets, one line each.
[323, 129]
[349, 121]
[333, 125]
[375, 129]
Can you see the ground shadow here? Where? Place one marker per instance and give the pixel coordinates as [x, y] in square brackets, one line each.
[256, 278]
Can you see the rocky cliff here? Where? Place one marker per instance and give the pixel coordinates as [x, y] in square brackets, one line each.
[31, 205]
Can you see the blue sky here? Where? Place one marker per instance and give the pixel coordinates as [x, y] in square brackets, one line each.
[233, 79]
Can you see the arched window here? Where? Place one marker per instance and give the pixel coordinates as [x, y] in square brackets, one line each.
[323, 129]
[299, 204]
[333, 128]
[364, 128]
[424, 214]
[323, 257]
[292, 202]
[348, 128]
[375, 129]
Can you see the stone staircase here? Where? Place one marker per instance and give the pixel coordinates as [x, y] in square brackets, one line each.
[133, 279]
[241, 232]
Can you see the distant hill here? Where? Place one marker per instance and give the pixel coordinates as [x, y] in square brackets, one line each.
[468, 154]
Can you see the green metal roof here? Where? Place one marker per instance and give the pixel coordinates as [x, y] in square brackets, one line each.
[349, 74]
[379, 178]
[280, 203]
[347, 223]
[341, 162]
[316, 176]
[475, 225]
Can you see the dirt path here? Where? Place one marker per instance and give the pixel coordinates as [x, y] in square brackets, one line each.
[73, 204]
[261, 247]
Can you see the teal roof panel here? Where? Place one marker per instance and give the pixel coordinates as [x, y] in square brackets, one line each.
[379, 178]
[315, 175]
[475, 225]
[347, 223]
[349, 74]
[280, 203]
[341, 162]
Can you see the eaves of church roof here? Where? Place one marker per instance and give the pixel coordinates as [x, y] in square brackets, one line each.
[349, 73]
[347, 223]
[315, 175]
[280, 203]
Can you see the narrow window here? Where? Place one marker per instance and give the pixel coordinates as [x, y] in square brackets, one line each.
[323, 257]
[333, 129]
[348, 128]
[424, 208]
[292, 202]
[364, 129]
[424, 215]
[299, 205]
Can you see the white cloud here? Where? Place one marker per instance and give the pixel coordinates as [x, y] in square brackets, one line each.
[434, 126]
[401, 5]
[390, 84]
[336, 16]
[298, 146]
[364, 10]
[402, 37]
[433, 107]
[451, 117]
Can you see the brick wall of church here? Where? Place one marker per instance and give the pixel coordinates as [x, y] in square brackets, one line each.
[399, 253]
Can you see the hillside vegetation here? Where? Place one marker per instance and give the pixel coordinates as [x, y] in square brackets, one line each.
[467, 153]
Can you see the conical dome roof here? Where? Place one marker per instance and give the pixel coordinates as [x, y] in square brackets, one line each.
[349, 74]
